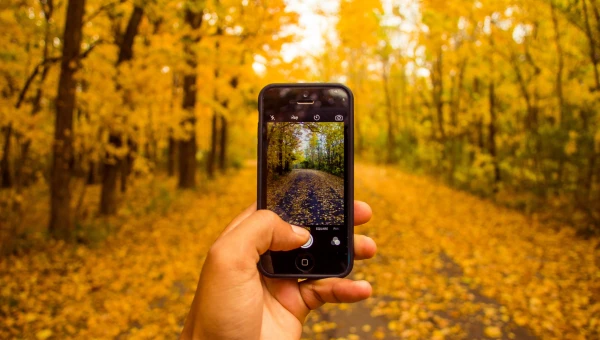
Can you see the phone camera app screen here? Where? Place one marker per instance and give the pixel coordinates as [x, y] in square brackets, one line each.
[305, 176]
[305, 172]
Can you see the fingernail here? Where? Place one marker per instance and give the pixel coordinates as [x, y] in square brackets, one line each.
[299, 230]
[362, 284]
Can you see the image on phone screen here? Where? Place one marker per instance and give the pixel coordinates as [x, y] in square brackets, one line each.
[305, 165]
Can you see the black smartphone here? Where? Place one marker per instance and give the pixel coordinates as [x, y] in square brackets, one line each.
[306, 175]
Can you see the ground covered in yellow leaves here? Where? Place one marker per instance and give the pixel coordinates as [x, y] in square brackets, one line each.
[450, 265]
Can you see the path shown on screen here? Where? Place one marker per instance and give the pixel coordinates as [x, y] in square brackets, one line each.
[309, 197]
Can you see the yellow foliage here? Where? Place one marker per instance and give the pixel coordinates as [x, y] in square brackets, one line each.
[493, 332]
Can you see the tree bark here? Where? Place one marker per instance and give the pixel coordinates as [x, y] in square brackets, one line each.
[92, 177]
[212, 154]
[188, 147]
[492, 127]
[61, 225]
[224, 129]
[457, 92]
[389, 113]
[114, 164]
[171, 156]
[492, 135]
[561, 65]
[592, 45]
[437, 77]
[108, 198]
[127, 163]
[5, 162]
[223, 144]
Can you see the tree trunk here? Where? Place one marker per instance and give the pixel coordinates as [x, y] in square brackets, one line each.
[171, 156]
[592, 45]
[188, 147]
[127, 164]
[108, 198]
[124, 172]
[438, 92]
[457, 93]
[561, 63]
[492, 135]
[223, 144]
[492, 127]
[559, 91]
[112, 166]
[61, 225]
[187, 162]
[389, 113]
[92, 177]
[212, 153]
[280, 154]
[5, 162]
[233, 82]
[21, 165]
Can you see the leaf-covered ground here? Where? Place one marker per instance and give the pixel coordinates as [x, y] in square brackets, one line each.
[308, 197]
[450, 265]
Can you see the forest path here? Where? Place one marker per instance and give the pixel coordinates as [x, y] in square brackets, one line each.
[449, 265]
[312, 197]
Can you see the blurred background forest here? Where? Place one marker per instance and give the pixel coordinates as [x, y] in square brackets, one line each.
[499, 98]
[108, 107]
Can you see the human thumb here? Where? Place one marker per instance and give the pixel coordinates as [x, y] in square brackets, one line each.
[264, 230]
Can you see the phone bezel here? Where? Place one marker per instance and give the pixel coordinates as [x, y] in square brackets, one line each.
[349, 164]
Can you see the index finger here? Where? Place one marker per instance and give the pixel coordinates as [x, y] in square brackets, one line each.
[362, 212]
[362, 215]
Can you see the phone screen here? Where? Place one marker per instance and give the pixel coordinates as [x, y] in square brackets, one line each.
[305, 175]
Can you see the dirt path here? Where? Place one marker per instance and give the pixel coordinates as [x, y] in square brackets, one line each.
[453, 266]
[311, 197]
[449, 266]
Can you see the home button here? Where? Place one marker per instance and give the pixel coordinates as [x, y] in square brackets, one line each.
[305, 262]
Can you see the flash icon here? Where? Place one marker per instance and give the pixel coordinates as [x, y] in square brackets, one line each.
[272, 117]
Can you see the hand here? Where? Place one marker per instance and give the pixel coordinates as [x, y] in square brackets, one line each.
[234, 301]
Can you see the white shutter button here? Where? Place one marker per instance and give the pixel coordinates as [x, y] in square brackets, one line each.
[308, 243]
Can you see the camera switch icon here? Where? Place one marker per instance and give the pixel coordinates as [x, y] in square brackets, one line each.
[339, 118]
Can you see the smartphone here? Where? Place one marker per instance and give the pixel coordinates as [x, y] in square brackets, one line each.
[306, 175]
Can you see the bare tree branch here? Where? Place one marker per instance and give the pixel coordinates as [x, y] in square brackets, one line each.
[99, 11]
[39, 66]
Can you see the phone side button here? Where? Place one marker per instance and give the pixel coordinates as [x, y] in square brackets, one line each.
[305, 262]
